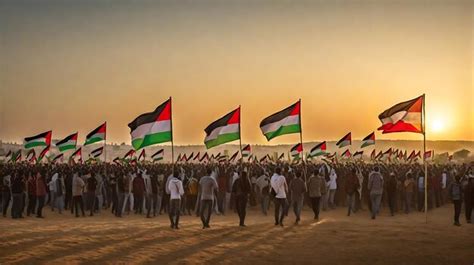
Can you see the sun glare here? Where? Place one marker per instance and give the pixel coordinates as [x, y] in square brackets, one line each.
[437, 125]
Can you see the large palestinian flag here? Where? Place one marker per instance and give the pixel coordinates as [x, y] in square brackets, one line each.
[296, 150]
[283, 122]
[368, 140]
[225, 129]
[42, 139]
[67, 143]
[345, 141]
[97, 135]
[318, 150]
[403, 117]
[153, 127]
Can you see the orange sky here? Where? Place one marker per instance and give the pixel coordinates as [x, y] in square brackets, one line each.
[69, 67]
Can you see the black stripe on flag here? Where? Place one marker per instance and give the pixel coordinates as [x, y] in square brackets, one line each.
[278, 116]
[148, 117]
[223, 121]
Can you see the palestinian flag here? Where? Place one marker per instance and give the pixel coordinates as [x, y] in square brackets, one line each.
[32, 159]
[263, 159]
[222, 159]
[129, 154]
[183, 158]
[153, 127]
[205, 156]
[346, 154]
[42, 139]
[158, 155]
[379, 155]
[196, 158]
[246, 151]
[8, 154]
[43, 153]
[296, 150]
[190, 157]
[345, 141]
[281, 156]
[96, 135]
[76, 153]
[387, 154]
[30, 154]
[16, 156]
[358, 154]
[429, 154]
[318, 150]
[372, 155]
[142, 155]
[368, 140]
[234, 156]
[117, 160]
[331, 155]
[224, 130]
[403, 117]
[179, 158]
[67, 143]
[58, 157]
[97, 152]
[283, 122]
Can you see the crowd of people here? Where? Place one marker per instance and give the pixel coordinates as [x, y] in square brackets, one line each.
[220, 188]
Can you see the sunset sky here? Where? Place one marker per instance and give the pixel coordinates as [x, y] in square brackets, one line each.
[70, 66]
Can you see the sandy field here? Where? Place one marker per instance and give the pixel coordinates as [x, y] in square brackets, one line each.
[335, 239]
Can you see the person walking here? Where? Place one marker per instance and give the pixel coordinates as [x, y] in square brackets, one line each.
[409, 185]
[297, 190]
[316, 189]
[175, 190]
[207, 189]
[241, 190]
[352, 185]
[375, 187]
[77, 189]
[455, 193]
[280, 189]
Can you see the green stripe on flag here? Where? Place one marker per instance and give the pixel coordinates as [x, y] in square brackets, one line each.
[66, 147]
[223, 138]
[151, 139]
[294, 128]
[34, 144]
[94, 139]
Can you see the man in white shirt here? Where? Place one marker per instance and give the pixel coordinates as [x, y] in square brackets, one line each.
[332, 188]
[280, 188]
[263, 184]
[175, 190]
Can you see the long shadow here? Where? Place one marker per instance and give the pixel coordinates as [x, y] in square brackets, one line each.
[119, 253]
[62, 253]
[196, 248]
[271, 239]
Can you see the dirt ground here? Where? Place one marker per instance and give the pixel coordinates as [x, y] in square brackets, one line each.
[335, 239]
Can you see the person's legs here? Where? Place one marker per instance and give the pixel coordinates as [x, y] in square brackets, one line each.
[391, 203]
[332, 194]
[277, 211]
[171, 213]
[374, 205]
[468, 209]
[100, 202]
[350, 197]
[6, 202]
[15, 205]
[60, 203]
[285, 205]
[299, 208]
[457, 211]
[41, 200]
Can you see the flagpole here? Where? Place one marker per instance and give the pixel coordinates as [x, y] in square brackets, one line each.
[172, 138]
[240, 142]
[301, 142]
[424, 161]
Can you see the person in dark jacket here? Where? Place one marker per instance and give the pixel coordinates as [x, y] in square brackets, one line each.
[352, 185]
[138, 193]
[31, 186]
[468, 189]
[90, 195]
[17, 195]
[241, 190]
[392, 192]
[41, 191]
[455, 193]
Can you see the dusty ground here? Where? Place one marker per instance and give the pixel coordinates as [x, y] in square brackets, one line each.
[335, 239]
